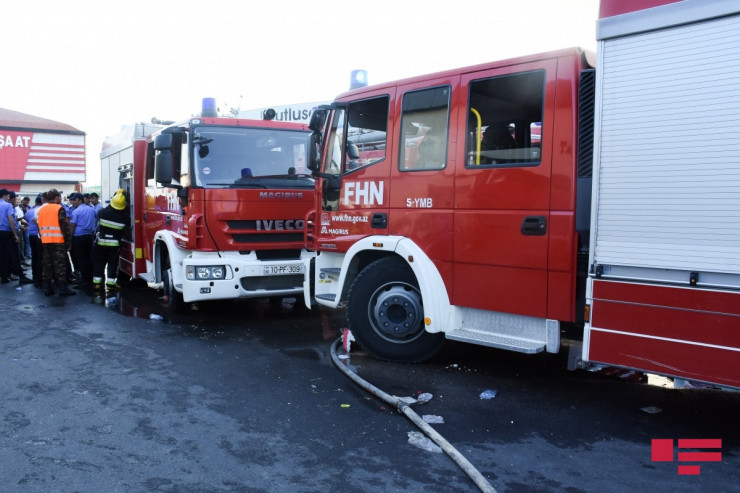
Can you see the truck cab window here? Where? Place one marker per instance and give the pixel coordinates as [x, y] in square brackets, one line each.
[424, 125]
[334, 144]
[505, 120]
[367, 124]
[245, 157]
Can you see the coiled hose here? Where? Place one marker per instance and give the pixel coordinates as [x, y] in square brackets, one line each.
[451, 451]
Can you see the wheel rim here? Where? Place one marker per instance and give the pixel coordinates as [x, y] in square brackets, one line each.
[396, 312]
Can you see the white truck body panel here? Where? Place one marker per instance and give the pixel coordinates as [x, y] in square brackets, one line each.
[119, 150]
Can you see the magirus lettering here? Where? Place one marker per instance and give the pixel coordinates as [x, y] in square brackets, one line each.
[281, 195]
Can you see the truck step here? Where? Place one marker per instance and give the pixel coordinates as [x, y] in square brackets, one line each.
[505, 330]
[326, 296]
[496, 340]
[331, 272]
[147, 276]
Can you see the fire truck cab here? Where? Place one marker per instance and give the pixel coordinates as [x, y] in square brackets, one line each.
[441, 208]
[218, 207]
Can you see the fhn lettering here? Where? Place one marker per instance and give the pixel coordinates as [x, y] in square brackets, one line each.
[363, 193]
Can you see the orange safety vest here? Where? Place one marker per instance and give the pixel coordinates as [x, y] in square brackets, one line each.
[49, 230]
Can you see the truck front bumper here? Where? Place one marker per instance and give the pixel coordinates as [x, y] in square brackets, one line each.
[230, 275]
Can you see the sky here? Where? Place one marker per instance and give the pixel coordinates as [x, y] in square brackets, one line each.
[101, 65]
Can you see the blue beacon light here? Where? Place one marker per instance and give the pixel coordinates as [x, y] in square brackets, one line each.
[209, 107]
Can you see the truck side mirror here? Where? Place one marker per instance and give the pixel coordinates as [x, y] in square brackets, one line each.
[166, 158]
[318, 119]
[352, 151]
[163, 142]
[314, 152]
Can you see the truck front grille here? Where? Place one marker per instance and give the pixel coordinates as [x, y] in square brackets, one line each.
[278, 237]
[265, 231]
[293, 254]
[272, 283]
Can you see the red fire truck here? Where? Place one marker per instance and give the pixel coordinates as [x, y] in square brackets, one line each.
[520, 203]
[218, 207]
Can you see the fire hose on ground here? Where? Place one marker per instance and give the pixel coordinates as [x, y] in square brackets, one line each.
[404, 408]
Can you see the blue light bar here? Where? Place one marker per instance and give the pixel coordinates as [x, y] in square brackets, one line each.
[209, 107]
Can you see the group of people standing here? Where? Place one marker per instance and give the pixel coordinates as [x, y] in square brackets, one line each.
[85, 232]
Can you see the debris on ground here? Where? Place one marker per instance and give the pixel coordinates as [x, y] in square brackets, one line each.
[488, 394]
[420, 440]
[423, 398]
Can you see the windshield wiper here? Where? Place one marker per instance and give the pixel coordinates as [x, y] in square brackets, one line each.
[249, 184]
[232, 184]
[290, 176]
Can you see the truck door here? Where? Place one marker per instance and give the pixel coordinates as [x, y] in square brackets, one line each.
[502, 189]
[357, 151]
[423, 177]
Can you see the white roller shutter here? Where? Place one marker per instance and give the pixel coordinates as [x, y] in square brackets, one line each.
[668, 147]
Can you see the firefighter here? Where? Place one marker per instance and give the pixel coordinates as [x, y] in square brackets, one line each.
[113, 220]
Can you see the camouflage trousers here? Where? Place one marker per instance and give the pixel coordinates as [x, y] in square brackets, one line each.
[54, 264]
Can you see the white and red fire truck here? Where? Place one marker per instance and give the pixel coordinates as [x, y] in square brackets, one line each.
[218, 207]
[519, 203]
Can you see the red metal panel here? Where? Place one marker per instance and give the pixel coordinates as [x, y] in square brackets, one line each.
[684, 325]
[139, 201]
[695, 315]
[494, 238]
[610, 8]
[707, 364]
[430, 229]
[496, 269]
[727, 302]
[564, 134]
[647, 315]
[561, 294]
[563, 242]
[498, 288]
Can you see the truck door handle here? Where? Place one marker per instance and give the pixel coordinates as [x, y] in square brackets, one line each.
[534, 226]
[379, 220]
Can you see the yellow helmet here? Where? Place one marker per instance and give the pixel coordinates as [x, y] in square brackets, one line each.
[119, 200]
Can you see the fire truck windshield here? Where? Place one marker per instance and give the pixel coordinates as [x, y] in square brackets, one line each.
[243, 157]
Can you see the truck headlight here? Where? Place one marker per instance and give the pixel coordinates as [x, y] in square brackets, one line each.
[205, 272]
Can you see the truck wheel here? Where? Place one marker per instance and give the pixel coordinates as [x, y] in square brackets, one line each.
[386, 315]
[175, 303]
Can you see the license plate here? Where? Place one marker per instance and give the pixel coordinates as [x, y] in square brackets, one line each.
[280, 270]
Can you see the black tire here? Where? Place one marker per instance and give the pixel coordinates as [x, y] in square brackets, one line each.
[386, 315]
[172, 298]
[128, 282]
[123, 279]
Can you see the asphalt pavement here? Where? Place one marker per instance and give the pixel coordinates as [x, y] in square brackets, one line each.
[243, 396]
